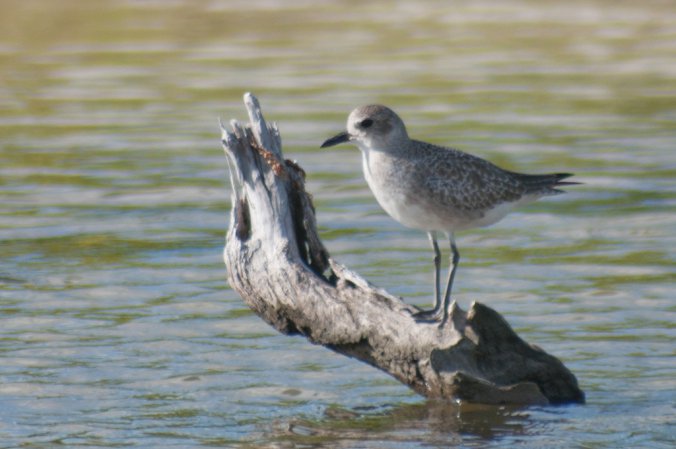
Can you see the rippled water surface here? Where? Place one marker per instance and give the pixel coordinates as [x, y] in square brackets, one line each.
[117, 325]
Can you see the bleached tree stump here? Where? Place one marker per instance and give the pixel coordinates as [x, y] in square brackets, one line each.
[277, 263]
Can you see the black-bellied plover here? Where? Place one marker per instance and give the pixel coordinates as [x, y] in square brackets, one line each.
[436, 189]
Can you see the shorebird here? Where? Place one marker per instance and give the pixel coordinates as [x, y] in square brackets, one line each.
[436, 189]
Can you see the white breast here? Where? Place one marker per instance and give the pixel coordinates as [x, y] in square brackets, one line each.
[380, 174]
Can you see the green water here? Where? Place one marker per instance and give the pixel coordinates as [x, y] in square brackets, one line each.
[117, 326]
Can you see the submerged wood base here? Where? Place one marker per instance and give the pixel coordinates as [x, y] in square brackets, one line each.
[277, 263]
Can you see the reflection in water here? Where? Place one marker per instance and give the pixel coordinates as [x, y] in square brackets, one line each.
[429, 423]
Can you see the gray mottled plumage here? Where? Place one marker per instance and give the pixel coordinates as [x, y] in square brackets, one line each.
[468, 183]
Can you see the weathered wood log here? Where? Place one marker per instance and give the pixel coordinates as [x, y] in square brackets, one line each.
[278, 264]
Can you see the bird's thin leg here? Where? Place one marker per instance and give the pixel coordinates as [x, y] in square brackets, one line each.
[455, 259]
[437, 266]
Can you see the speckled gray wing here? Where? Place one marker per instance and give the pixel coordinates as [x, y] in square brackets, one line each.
[464, 182]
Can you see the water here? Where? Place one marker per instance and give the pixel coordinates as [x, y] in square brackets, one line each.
[117, 326]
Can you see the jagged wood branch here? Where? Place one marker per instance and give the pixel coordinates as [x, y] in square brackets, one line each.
[278, 264]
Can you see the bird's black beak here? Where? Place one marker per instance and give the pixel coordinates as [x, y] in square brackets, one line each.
[335, 140]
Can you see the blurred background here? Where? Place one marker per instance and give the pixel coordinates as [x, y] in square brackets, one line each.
[117, 325]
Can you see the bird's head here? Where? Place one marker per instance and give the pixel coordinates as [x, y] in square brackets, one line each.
[371, 127]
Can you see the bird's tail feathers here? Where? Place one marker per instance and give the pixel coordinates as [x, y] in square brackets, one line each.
[546, 184]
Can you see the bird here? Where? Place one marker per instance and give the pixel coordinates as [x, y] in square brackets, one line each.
[436, 189]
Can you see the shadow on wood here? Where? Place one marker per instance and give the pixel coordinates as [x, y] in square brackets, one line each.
[277, 263]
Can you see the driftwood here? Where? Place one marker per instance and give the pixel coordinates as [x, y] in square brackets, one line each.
[277, 263]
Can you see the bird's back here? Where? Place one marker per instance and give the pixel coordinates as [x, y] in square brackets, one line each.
[465, 190]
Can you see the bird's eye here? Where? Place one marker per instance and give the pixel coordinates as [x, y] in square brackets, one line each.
[366, 123]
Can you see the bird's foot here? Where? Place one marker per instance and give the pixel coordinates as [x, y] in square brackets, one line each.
[427, 316]
[431, 316]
